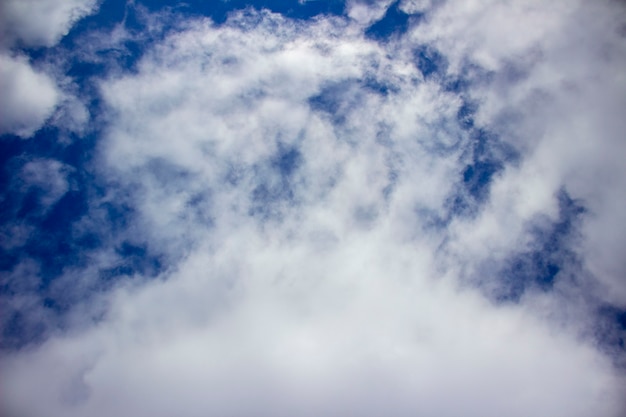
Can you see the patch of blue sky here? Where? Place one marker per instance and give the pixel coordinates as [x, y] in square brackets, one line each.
[330, 102]
[58, 238]
[102, 52]
[487, 156]
[433, 65]
[394, 22]
[337, 100]
[53, 245]
[470, 74]
[135, 259]
[550, 258]
[19, 331]
[287, 161]
[430, 62]
[378, 86]
[276, 188]
[611, 334]
[465, 115]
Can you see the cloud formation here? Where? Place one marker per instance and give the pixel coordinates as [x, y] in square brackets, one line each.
[28, 96]
[420, 222]
[40, 22]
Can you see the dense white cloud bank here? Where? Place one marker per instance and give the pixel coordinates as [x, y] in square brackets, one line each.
[299, 178]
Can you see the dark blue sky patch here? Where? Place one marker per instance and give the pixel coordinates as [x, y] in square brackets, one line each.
[430, 62]
[337, 100]
[378, 86]
[21, 330]
[456, 85]
[488, 146]
[459, 205]
[45, 144]
[70, 208]
[329, 101]
[110, 14]
[287, 161]
[431, 219]
[609, 332]
[266, 200]
[53, 243]
[22, 203]
[117, 216]
[276, 187]
[477, 177]
[470, 74]
[10, 147]
[395, 21]
[551, 256]
[487, 157]
[465, 115]
[133, 259]
[99, 65]
[53, 240]
[100, 57]
[8, 259]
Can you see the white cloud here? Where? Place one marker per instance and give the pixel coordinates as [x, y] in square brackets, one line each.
[40, 22]
[28, 96]
[361, 329]
[322, 284]
[367, 12]
[556, 95]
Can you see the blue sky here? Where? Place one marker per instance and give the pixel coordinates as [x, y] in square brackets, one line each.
[295, 208]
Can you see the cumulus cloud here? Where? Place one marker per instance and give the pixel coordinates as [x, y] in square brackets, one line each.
[28, 96]
[40, 22]
[342, 219]
[366, 12]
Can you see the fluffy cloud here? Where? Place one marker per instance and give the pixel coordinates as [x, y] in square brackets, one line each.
[40, 22]
[28, 96]
[340, 218]
[256, 328]
[554, 94]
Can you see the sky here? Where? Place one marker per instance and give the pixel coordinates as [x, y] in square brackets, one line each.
[314, 208]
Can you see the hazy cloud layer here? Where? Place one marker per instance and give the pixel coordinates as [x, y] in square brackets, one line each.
[350, 222]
